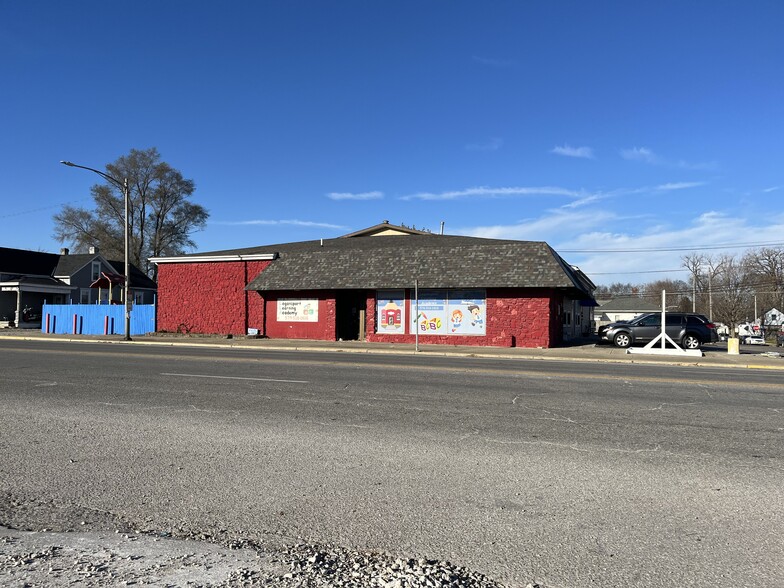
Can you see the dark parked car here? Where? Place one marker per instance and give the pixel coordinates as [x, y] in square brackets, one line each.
[686, 329]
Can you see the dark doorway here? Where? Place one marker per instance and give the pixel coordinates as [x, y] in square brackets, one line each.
[350, 307]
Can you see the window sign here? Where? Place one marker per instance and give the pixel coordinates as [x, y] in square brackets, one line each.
[298, 310]
[432, 319]
[391, 312]
[467, 312]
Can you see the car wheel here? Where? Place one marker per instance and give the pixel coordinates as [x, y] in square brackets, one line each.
[690, 342]
[622, 340]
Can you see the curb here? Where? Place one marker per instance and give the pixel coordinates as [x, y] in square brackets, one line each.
[407, 352]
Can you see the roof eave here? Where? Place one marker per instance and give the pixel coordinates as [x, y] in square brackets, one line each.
[214, 258]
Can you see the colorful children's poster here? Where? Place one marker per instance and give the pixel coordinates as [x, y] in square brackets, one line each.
[432, 318]
[391, 312]
[298, 310]
[467, 312]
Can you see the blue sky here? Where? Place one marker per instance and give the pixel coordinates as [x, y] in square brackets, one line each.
[625, 134]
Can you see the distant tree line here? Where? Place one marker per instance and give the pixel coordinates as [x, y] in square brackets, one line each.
[727, 288]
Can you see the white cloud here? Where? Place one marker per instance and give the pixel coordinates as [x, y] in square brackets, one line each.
[271, 223]
[771, 189]
[640, 154]
[656, 252]
[568, 151]
[678, 186]
[486, 192]
[542, 228]
[493, 144]
[645, 155]
[375, 195]
[590, 239]
[583, 201]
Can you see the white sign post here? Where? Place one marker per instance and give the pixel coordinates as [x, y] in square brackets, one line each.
[663, 337]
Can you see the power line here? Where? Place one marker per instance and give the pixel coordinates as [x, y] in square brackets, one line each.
[664, 249]
[641, 272]
[42, 208]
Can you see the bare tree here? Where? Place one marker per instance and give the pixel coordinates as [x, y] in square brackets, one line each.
[694, 262]
[616, 290]
[733, 294]
[161, 218]
[766, 266]
[677, 294]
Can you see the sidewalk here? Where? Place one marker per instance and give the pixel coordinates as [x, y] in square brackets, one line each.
[576, 351]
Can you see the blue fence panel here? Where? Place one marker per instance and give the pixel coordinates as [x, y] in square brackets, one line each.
[96, 319]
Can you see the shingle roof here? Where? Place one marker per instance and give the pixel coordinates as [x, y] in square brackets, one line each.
[22, 261]
[70, 264]
[436, 261]
[628, 304]
[35, 263]
[138, 278]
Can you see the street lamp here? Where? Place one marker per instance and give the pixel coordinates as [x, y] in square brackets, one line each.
[126, 196]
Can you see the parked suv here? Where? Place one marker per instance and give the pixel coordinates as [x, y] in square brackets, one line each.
[687, 330]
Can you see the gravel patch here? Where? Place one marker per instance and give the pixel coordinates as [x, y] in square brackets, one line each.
[93, 559]
[81, 547]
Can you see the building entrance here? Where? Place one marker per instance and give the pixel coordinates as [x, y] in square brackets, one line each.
[350, 311]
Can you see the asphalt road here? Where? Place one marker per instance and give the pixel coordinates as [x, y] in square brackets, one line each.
[566, 474]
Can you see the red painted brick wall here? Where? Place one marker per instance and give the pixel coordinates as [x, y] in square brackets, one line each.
[515, 318]
[323, 330]
[209, 297]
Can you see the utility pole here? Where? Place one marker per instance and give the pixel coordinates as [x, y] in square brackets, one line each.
[126, 197]
[694, 292]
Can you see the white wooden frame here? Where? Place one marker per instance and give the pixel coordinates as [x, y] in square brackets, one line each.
[663, 338]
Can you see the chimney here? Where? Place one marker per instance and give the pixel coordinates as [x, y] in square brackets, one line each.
[92, 250]
[64, 251]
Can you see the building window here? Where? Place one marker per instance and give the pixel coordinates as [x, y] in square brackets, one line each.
[84, 295]
[96, 273]
[449, 312]
[138, 297]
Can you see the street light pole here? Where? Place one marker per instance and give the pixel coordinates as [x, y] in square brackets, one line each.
[126, 197]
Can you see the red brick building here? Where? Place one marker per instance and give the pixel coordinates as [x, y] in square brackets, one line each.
[385, 284]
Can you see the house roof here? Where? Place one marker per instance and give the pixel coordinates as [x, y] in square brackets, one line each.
[138, 278]
[33, 280]
[72, 263]
[22, 261]
[628, 304]
[69, 264]
[435, 261]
